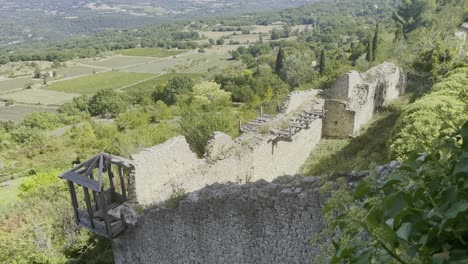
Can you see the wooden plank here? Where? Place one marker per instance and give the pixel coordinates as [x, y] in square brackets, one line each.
[71, 189]
[86, 163]
[88, 206]
[122, 184]
[81, 180]
[105, 215]
[101, 167]
[111, 177]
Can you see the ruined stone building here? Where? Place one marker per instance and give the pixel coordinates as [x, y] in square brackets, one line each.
[235, 208]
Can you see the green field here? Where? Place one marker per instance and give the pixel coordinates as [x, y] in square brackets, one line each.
[162, 80]
[39, 96]
[16, 113]
[17, 83]
[90, 84]
[150, 52]
[74, 71]
[117, 62]
[158, 66]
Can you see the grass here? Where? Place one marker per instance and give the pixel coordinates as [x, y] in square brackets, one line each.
[158, 66]
[9, 194]
[74, 71]
[17, 83]
[117, 62]
[39, 96]
[162, 80]
[90, 84]
[16, 113]
[150, 52]
[360, 153]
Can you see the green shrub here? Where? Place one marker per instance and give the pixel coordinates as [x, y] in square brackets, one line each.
[442, 111]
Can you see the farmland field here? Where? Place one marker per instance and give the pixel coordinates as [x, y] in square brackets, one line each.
[217, 34]
[92, 83]
[39, 96]
[162, 80]
[74, 71]
[18, 112]
[117, 62]
[150, 52]
[17, 83]
[202, 63]
[158, 66]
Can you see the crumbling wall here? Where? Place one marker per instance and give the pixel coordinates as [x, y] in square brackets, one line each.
[340, 120]
[296, 99]
[259, 223]
[162, 168]
[363, 94]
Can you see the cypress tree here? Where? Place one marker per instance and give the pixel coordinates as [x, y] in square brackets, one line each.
[369, 54]
[322, 62]
[261, 38]
[280, 60]
[375, 42]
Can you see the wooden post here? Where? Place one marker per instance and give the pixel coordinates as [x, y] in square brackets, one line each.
[96, 203]
[122, 183]
[101, 167]
[88, 206]
[278, 108]
[261, 111]
[290, 132]
[105, 215]
[240, 126]
[111, 178]
[71, 188]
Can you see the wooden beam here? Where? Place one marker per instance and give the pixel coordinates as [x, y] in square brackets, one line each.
[88, 206]
[122, 183]
[105, 215]
[81, 180]
[101, 167]
[71, 189]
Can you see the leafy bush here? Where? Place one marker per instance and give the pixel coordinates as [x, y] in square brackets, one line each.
[107, 102]
[131, 120]
[442, 111]
[416, 214]
[41, 120]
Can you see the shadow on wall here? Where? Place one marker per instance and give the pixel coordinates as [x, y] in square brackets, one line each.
[370, 147]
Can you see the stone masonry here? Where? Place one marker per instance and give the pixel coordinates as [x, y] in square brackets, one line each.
[225, 218]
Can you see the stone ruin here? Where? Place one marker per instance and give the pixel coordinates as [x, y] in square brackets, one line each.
[241, 222]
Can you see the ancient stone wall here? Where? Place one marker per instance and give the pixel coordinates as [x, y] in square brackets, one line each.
[363, 94]
[258, 223]
[296, 99]
[171, 165]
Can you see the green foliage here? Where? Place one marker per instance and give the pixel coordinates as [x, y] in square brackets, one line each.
[208, 96]
[29, 136]
[162, 111]
[199, 126]
[41, 120]
[131, 120]
[415, 214]
[176, 87]
[280, 60]
[375, 42]
[106, 102]
[437, 113]
[322, 63]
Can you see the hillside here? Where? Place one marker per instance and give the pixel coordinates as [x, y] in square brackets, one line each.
[328, 88]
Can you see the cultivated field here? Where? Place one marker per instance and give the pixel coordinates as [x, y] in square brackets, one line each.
[116, 62]
[17, 83]
[150, 52]
[217, 34]
[201, 63]
[157, 66]
[78, 70]
[90, 84]
[16, 113]
[39, 96]
[162, 80]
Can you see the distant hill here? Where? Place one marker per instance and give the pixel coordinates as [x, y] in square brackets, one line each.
[26, 21]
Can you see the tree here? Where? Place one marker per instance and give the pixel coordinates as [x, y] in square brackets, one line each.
[176, 87]
[375, 42]
[280, 60]
[261, 38]
[107, 102]
[322, 63]
[208, 96]
[220, 41]
[369, 54]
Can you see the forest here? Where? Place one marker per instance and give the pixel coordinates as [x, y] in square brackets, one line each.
[38, 226]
